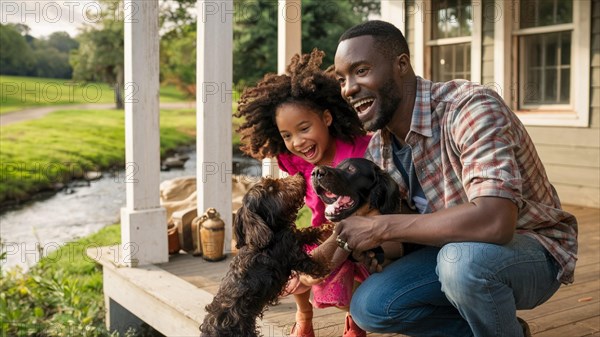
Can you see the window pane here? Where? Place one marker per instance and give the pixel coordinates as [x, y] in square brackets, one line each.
[536, 13]
[565, 49]
[565, 86]
[549, 91]
[550, 49]
[564, 12]
[451, 62]
[451, 18]
[546, 68]
[533, 88]
[545, 13]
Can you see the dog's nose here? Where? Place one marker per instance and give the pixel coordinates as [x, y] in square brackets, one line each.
[318, 172]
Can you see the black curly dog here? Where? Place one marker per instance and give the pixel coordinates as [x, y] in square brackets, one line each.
[270, 247]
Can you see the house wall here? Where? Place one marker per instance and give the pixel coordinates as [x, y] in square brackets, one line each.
[571, 155]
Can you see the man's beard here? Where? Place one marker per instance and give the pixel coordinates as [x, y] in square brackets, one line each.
[389, 98]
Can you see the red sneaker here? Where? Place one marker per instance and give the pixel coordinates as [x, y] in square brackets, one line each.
[302, 332]
[351, 329]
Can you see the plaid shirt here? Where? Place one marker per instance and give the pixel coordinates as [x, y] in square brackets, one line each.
[466, 143]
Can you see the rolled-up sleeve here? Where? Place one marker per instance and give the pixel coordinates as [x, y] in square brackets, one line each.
[487, 143]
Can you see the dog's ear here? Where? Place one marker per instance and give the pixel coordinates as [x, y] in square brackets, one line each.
[251, 229]
[238, 228]
[385, 194]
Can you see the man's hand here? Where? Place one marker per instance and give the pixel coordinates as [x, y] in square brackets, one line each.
[360, 232]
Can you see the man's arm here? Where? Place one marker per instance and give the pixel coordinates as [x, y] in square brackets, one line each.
[485, 219]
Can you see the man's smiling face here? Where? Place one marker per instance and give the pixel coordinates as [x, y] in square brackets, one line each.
[366, 77]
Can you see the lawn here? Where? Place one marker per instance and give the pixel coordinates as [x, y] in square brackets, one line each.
[23, 92]
[38, 154]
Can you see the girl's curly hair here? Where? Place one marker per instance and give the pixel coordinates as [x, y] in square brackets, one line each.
[304, 84]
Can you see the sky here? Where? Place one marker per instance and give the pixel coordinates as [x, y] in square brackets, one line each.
[45, 17]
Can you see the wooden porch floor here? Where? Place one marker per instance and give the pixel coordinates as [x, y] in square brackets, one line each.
[574, 311]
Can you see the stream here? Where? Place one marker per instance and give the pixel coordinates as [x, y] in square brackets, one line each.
[36, 228]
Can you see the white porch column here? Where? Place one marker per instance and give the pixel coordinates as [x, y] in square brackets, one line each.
[214, 89]
[418, 53]
[143, 220]
[289, 43]
[502, 49]
[393, 11]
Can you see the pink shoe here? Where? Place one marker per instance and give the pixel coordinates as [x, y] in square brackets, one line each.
[306, 332]
[351, 329]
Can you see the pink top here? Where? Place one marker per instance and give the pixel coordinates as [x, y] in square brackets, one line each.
[293, 164]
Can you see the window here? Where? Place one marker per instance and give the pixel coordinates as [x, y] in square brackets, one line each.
[450, 43]
[551, 48]
[544, 49]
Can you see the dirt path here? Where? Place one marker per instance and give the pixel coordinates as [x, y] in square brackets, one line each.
[39, 112]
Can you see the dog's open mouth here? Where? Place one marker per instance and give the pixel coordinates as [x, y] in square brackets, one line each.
[335, 204]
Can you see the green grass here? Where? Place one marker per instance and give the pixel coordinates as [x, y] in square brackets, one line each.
[61, 295]
[303, 220]
[170, 93]
[37, 154]
[18, 93]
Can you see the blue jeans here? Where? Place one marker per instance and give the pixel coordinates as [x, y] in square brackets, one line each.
[462, 289]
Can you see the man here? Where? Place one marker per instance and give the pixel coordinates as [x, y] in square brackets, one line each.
[496, 239]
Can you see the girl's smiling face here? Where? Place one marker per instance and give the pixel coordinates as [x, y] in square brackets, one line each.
[305, 132]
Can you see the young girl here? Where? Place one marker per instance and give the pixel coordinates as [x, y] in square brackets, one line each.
[301, 119]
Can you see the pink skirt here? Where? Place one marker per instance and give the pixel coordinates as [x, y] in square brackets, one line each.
[335, 290]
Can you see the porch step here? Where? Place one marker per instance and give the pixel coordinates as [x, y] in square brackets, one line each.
[164, 301]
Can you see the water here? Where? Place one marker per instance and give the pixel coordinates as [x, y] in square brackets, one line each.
[40, 227]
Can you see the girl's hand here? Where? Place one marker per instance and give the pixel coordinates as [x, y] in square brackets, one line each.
[368, 260]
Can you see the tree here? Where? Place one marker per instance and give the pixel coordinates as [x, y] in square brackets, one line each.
[178, 59]
[16, 57]
[254, 41]
[365, 8]
[255, 33]
[49, 62]
[62, 42]
[323, 22]
[100, 56]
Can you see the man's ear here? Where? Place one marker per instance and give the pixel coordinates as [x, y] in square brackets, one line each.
[403, 63]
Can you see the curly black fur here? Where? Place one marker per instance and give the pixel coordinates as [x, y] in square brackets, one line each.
[270, 247]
